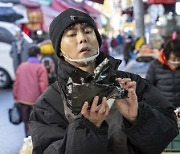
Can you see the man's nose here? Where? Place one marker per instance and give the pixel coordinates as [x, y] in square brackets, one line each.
[81, 37]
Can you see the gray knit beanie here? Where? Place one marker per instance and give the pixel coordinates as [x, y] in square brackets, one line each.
[64, 20]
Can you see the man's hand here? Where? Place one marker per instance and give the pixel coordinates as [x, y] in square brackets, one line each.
[128, 107]
[96, 114]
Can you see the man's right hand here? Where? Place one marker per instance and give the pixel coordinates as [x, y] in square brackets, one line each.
[96, 114]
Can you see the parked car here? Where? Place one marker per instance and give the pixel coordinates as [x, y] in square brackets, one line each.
[7, 36]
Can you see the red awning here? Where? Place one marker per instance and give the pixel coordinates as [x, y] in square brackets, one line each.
[60, 5]
[57, 6]
[90, 9]
[50, 12]
[30, 4]
[48, 15]
[161, 1]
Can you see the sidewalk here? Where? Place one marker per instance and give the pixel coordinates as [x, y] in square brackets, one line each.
[11, 135]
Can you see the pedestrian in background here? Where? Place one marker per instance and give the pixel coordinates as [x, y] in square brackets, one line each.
[164, 72]
[31, 81]
[49, 59]
[120, 40]
[104, 46]
[114, 46]
[128, 48]
[142, 123]
[19, 51]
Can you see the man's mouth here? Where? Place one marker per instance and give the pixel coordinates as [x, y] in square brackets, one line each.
[84, 49]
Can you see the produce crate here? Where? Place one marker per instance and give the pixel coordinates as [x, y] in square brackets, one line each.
[174, 146]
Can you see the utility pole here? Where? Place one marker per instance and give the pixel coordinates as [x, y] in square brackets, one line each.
[138, 13]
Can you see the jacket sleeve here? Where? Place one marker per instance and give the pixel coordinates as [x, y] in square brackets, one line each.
[156, 125]
[52, 134]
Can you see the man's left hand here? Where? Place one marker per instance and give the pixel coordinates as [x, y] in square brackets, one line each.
[128, 107]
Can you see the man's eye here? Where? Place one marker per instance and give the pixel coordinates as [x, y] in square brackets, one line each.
[71, 34]
[88, 31]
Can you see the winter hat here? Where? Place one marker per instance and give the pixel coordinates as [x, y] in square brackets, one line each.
[64, 20]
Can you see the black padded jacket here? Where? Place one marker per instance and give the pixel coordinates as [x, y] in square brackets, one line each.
[51, 132]
[166, 80]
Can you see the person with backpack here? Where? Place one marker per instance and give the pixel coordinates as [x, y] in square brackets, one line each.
[49, 60]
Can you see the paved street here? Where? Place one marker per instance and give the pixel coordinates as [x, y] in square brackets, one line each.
[12, 136]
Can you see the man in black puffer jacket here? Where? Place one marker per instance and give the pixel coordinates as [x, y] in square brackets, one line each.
[164, 72]
[64, 122]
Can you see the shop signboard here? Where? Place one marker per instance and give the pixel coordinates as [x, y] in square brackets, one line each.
[35, 19]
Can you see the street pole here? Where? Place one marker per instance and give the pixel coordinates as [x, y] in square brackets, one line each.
[138, 13]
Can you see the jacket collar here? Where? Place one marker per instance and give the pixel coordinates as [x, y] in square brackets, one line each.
[162, 60]
[66, 69]
[34, 60]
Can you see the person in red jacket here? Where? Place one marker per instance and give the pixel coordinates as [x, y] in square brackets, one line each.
[31, 81]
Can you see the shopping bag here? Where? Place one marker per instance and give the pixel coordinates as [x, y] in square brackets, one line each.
[15, 114]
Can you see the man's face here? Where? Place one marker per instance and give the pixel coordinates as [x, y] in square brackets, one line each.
[173, 57]
[79, 41]
[173, 60]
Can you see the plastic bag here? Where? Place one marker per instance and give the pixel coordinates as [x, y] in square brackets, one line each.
[15, 115]
[27, 146]
[101, 84]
